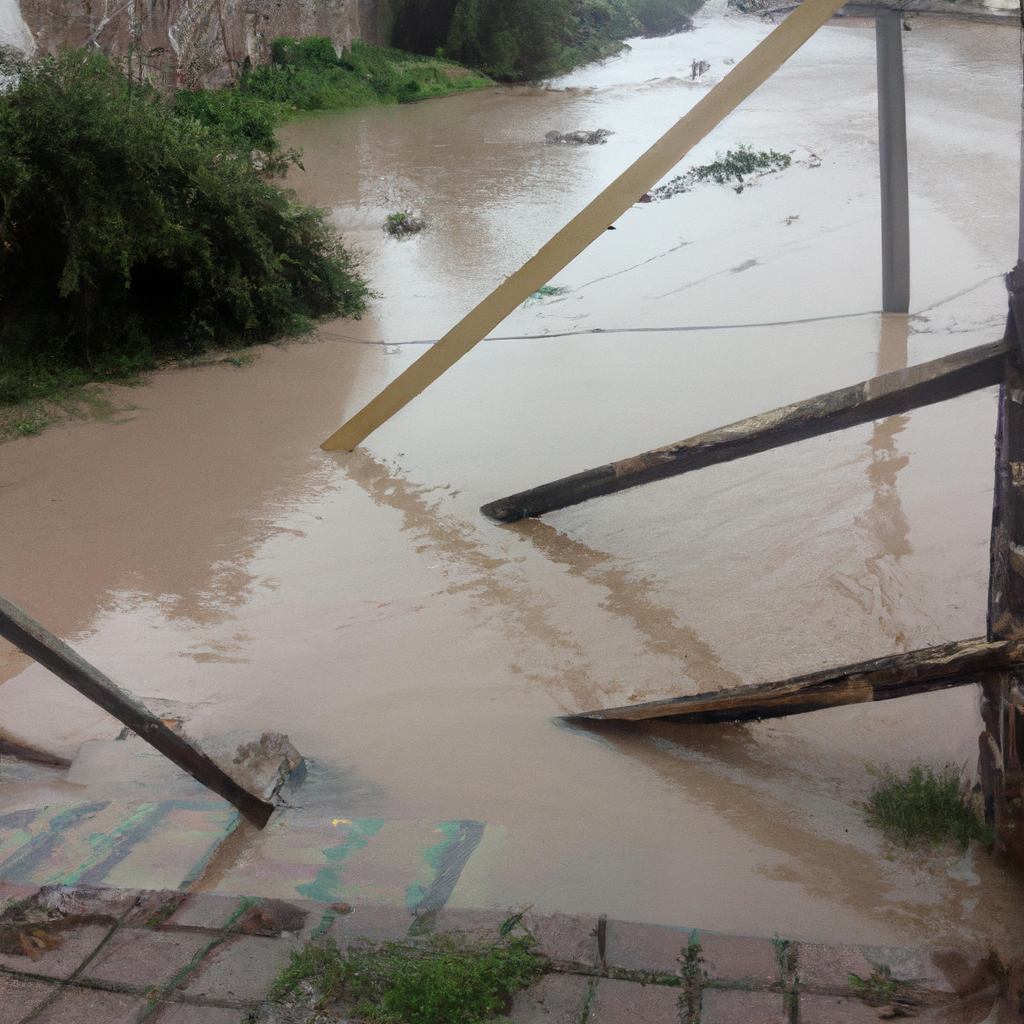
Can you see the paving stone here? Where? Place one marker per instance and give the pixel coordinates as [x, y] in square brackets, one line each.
[76, 945]
[911, 966]
[153, 908]
[734, 958]
[139, 957]
[374, 921]
[628, 1002]
[269, 918]
[730, 1006]
[205, 910]
[828, 968]
[644, 947]
[563, 937]
[88, 900]
[188, 1013]
[815, 1009]
[18, 997]
[91, 1006]
[243, 967]
[555, 999]
[476, 924]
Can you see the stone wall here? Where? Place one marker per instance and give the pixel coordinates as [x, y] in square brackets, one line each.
[189, 42]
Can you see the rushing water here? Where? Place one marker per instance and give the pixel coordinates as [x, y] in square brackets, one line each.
[205, 551]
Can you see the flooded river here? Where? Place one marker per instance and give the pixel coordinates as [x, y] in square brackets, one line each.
[204, 552]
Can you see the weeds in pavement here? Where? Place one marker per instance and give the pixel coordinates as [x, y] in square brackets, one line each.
[448, 980]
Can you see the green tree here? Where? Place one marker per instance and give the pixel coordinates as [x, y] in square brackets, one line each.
[133, 229]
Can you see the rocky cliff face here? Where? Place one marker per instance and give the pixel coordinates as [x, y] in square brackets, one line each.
[190, 42]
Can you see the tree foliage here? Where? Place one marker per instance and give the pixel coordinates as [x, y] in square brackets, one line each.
[134, 228]
[521, 39]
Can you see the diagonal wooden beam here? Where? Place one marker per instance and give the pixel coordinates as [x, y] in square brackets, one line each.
[887, 395]
[899, 675]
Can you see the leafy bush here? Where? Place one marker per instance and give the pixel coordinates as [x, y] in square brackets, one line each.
[926, 806]
[133, 229]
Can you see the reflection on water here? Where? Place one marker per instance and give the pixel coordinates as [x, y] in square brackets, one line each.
[880, 589]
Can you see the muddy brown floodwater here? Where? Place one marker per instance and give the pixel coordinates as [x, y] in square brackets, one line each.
[203, 551]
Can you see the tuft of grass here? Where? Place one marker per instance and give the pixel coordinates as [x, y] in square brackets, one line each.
[449, 980]
[736, 168]
[926, 806]
[691, 967]
[877, 990]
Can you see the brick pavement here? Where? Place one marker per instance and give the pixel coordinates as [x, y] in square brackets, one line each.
[95, 955]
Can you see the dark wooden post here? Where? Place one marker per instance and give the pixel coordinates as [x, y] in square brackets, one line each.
[999, 755]
[892, 155]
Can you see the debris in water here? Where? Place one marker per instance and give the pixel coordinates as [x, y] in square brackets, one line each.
[697, 68]
[404, 223]
[578, 138]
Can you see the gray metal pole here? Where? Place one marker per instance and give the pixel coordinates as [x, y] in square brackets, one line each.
[892, 154]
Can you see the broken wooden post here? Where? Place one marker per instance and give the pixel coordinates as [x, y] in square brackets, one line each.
[52, 653]
[1001, 784]
[892, 157]
[882, 396]
[898, 675]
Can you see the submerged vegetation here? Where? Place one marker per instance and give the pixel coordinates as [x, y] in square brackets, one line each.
[738, 168]
[447, 980]
[513, 40]
[925, 806]
[136, 228]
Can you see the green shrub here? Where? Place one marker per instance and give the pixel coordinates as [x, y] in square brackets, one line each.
[925, 807]
[133, 229]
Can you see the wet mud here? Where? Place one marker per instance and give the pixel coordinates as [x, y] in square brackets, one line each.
[206, 554]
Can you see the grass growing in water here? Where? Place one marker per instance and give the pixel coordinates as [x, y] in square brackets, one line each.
[925, 807]
[737, 168]
[450, 980]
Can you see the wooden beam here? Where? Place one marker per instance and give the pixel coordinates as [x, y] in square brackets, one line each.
[887, 395]
[1000, 753]
[52, 653]
[899, 675]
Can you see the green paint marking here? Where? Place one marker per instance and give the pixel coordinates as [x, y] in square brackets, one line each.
[103, 843]
[321, 929]
[329, 880]
[452, 832]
